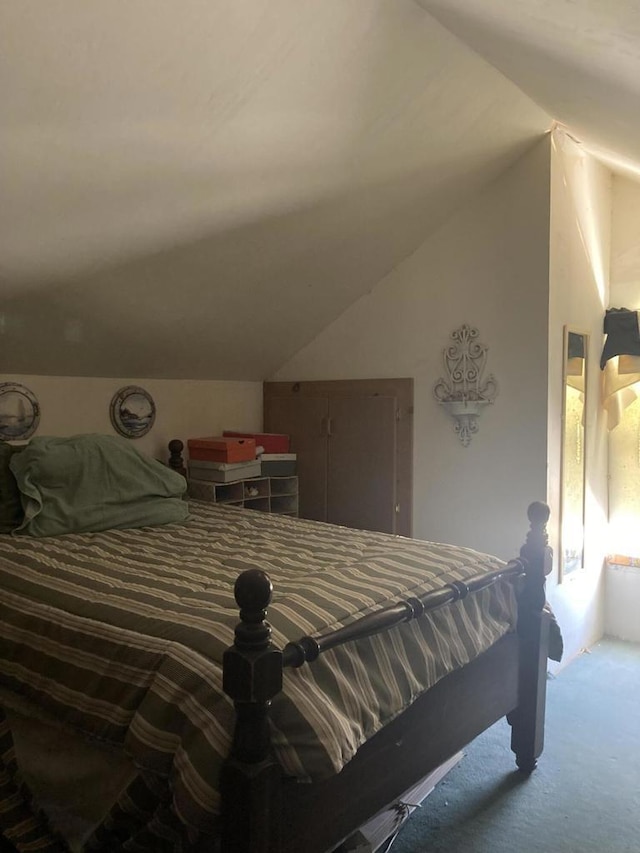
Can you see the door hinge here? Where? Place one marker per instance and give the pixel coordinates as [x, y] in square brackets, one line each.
[397, 508]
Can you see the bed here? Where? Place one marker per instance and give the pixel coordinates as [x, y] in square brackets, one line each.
[382, 657]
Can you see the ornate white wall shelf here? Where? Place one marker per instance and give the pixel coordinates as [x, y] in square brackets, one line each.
[463, 393]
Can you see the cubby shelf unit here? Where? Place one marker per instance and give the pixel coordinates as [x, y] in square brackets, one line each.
[266, 494]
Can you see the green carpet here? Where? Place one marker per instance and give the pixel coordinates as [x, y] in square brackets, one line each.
[584, 796]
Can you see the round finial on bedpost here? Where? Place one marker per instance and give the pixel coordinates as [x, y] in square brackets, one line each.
[253, 590]
[537, 537]
[538, 513]
[537, 553]
[176, 462]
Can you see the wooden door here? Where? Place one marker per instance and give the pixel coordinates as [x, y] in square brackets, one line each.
[304, 419]
[374, 454]
[361, 463]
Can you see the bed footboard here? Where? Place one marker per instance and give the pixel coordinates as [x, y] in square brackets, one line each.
[251, 782]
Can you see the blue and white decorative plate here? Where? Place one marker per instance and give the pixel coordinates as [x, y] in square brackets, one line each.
[132, 411]
[19, 412]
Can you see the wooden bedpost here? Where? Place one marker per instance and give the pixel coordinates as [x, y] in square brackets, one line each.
[527, 721]
[176, 460]
[252, 676]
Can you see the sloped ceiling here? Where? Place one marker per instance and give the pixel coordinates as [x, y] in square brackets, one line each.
[195, 188]
[578, 59]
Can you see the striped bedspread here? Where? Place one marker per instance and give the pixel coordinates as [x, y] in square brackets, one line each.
[120, 635]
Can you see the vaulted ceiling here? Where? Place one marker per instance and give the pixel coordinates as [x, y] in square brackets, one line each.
[196, 188]
[578, 59]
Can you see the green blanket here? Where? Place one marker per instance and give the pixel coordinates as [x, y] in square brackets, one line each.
[93, 482]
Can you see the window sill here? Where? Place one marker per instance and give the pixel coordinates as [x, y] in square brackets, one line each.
[623, 560]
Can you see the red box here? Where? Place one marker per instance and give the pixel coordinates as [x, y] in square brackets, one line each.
[218, 448]
[272, 442]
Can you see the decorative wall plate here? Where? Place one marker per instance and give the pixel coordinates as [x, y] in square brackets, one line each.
[19, 412]
[132, 411]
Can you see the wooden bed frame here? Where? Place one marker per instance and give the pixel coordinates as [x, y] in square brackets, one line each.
[264, 812]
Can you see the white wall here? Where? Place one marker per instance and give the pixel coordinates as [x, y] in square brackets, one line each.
[623, 582]
[624, 439]
[578, 288]
[528, 255]
[625, 243]
[487, 266]
[184, 409]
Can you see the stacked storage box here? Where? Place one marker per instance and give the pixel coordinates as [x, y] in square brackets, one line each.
[273, 451]
[222, 459]
[224, 469]
[222, 448]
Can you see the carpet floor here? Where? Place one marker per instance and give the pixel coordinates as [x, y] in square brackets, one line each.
[584, 796]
